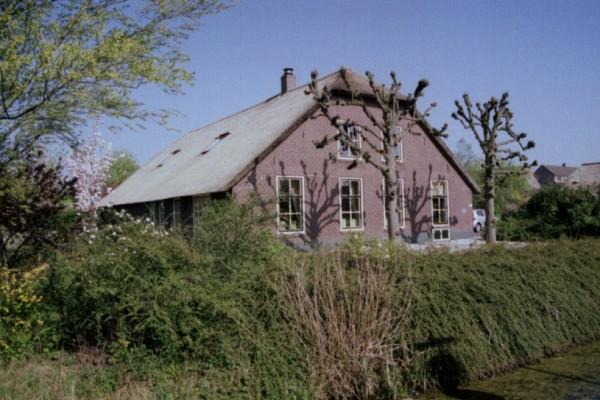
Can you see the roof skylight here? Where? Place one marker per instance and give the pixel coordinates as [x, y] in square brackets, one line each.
[217, 140]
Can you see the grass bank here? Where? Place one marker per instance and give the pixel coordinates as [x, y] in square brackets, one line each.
[458, 317]
[481, 312]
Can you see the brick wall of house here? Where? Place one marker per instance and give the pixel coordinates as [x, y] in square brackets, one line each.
[297, 156]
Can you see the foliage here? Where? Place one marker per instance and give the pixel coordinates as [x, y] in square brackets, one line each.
[511, 188]
[20, 313]
[142, 293]
[492, 127]
[33, 199]
[89, 164]
[556, 211]
[350, 317]
[61, 61]
[234, 234]
[484, 311]
[387, 112]
[122, 167]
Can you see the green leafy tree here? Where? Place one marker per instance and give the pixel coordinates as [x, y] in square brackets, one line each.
[61, 61]
[491, 124]
[123, 165]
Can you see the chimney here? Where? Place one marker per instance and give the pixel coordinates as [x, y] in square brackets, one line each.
[564, 164]
[288, 80]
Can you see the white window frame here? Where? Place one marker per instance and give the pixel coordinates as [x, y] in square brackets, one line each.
[383, 191]
[441, 230]
[362, 209]
[447, 224]
[352, 157]
[302, 205]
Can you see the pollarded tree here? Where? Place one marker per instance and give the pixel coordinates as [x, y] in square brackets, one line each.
[385, 109]
[491, 124]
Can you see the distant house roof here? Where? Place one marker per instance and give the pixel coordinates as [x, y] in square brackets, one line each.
[211, 159]
[587, 174]
[559, 170]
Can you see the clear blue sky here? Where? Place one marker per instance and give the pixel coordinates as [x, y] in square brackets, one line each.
[546, 54]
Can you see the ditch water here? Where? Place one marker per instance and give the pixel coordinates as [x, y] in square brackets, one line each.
[573, 375]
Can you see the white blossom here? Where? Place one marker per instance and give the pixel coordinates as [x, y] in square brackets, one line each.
[89, 163]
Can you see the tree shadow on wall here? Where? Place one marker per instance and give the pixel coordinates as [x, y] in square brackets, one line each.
[321, 207]
[417, 207]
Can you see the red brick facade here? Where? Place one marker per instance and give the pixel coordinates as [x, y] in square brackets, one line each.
[296, 156]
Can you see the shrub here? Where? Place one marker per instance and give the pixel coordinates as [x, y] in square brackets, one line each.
[483, 311]
[233, 234]
[554, 212]
[348, 313]
[141, 293]
[21, 321]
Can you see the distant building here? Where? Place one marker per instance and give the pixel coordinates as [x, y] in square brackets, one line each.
[588, 174]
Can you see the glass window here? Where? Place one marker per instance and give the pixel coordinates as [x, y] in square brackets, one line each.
[290, 204]
[344, 149]
[439, 202]
[351, 204]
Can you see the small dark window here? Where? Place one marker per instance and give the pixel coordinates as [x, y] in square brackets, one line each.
[215, 142]
[159, 165]
[175, 151]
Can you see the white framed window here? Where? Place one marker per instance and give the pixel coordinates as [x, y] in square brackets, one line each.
[441, 234]
[351, 207]
[290, 204]
[439, 203]
[399, 203]
[344, 150]
[199, 203]
[398, 151]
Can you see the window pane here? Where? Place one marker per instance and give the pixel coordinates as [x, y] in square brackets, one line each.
[295, 204]
[398, 150]
[295, 222]
[345, 221]
[355, 220]
[345, 204]
[355, 204]
[284, 187]
[295, 187]
[284, 206]
[355, 187]
[284, 222]
[345, 187]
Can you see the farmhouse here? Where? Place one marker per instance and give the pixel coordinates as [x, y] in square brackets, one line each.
[316, 195]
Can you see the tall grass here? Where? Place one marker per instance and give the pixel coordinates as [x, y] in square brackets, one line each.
[350, 317]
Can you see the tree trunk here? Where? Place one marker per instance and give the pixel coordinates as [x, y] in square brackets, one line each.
[489, 194]
[391, 199]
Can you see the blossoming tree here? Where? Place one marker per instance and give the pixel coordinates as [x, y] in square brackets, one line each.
[89, 163]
